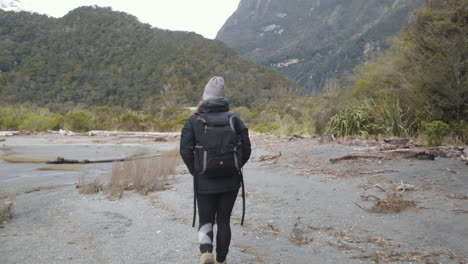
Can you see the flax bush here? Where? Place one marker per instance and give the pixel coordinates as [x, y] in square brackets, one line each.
[355, 119]
[391, 120]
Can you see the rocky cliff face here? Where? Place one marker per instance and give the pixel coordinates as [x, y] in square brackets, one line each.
[314, 40]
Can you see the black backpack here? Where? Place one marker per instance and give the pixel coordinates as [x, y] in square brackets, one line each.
[218, 151]
[218, 146]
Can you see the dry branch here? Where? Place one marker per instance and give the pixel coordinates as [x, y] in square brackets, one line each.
[455, 196]
[269, 157]
[419, 154]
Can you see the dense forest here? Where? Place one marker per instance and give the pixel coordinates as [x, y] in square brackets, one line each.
[420, 84]
[418, 87]
[96, 56]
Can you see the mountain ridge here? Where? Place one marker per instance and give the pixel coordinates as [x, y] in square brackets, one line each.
[312, 41]
[95, 56]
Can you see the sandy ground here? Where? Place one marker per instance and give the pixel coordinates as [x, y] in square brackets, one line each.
[300, 208]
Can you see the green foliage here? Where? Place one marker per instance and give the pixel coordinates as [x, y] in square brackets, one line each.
[391, 120]
[79, 121]
[354, 120]
[425, 69]
[134, 121]
[95, 56]
[28, 118]
[10, 117]
[328, 40]
[435, 132]
[41, 121]
[459, 130]
[266, 128]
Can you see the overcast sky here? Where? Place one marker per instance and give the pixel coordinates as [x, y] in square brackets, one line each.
[204, 17]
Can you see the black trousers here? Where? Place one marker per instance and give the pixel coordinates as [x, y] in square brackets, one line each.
[211, 207]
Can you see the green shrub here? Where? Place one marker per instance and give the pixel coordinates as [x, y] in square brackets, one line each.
[106, 119]
[267, 128]
[41, 121]
[435, 132]
[390, 120]
[353, 120]
[459, 130]
[132, 121]
[79, 121]
[10, 117]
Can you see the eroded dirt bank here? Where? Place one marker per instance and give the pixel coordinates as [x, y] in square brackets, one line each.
[301, 208]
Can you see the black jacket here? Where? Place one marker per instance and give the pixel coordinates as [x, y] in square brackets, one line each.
[188, 142]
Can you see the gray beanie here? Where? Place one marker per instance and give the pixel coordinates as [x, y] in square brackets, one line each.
[214, 87]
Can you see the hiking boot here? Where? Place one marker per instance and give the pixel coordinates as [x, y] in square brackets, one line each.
[207, 258]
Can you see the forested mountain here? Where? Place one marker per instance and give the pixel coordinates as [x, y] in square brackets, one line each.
[97, 56]
[426, 67]
[314, 40]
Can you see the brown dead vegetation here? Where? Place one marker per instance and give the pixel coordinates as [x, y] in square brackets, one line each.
[412, 256]
[91, 187]
[142, 175]
[250, 250]
[387, 251]
[5, 211]
[298, 236]
[268, 229]
[394, 203]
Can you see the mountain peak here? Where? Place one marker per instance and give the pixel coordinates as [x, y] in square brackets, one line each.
[312, 41]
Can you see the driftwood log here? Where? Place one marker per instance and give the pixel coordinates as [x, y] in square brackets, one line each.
[419, 154]
[61, 160]
[132, 134]
[269, 157]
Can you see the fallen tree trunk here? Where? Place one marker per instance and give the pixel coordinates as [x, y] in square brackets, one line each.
[61, 160]
[419, 154]
[132, 134]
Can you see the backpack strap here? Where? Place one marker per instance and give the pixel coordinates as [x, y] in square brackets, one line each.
[243, 197]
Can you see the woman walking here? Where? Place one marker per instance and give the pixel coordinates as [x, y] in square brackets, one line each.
[215, 146]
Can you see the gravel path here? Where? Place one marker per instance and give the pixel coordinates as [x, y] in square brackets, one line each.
[300, 209]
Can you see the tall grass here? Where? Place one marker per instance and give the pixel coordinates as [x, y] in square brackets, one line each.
[91, 187]
[5, 211]
[34, 118]
[391, 120]
[142, 175]
[353, 120]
